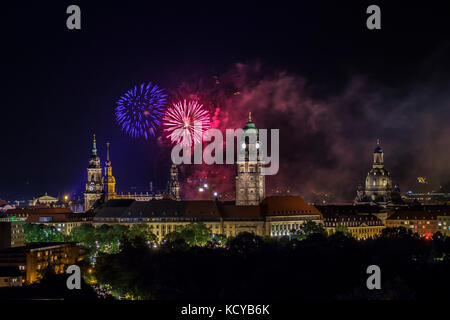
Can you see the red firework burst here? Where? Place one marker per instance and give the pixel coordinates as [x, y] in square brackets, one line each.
[186, 122]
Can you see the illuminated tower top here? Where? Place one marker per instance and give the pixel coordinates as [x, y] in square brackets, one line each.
[173, 185]
[94, 185]
[378, 156]
[250, 182]
[94, 147]
[110, 181]
[94, 161]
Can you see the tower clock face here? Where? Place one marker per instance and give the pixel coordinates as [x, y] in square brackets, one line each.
[243, 145]
[91, 188]
[257, 145]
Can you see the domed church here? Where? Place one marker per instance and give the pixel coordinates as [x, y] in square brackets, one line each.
[378, 185]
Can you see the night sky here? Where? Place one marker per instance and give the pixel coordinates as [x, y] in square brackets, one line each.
[311, 68]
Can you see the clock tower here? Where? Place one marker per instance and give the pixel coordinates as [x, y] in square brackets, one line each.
[94, 185]
[250, 182]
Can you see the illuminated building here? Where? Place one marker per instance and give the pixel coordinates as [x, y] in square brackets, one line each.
[333, 210]
[427, 198]
[94, 185]
[34, 257]
[250, 182]
[45, 200]
[173, 186]
[11, 232]
[422, 222]
[103, 188]
[284, 214]
[109, 180]
[378, 184]
[275, 216]
[360, 226]
[63, 219]
[443, 220]
[250, 212]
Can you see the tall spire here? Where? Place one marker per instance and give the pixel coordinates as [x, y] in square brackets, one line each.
[107, 154]
[94, 147]
[109, 180]
[250, 116]
[378, 142]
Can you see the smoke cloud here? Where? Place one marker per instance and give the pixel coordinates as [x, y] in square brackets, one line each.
[327, 139]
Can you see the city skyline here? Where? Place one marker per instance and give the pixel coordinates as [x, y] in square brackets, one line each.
[225, 158]
[337, 97]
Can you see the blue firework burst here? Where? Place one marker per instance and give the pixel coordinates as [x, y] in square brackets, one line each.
[139, 110]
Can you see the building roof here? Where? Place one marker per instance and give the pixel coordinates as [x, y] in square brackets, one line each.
[414, 215]
[33, 246]
[287, 206]
[33, 214]
[352, 220]
[205, 209]
[46, 197]
[231, 211]
[350, 209]
[37, 211]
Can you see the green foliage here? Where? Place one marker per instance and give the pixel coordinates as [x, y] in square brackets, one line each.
[344, 230]
[194, 234]
[34, 232]
[141, 231]
[309, 229]
[108, 238]
[398, 233]
[274, 268]
[245, 242]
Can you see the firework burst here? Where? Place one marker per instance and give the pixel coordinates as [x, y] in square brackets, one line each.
[186, 121]
[139, 110]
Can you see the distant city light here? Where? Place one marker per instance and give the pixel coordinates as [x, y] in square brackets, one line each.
[201, 189]
[215, 194]
[205, 185]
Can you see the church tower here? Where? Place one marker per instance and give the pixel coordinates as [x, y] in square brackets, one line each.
[94, 186]
[109, 181]
[173, 185]
[378, 181]
[250, 180]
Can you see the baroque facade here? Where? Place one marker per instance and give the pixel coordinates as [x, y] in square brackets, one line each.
[103, 187]
[378, 185]
[274, 216]
[251, 211]
[94, 185]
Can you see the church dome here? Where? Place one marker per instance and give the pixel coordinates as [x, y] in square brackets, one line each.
[378, 180]
[250, 127]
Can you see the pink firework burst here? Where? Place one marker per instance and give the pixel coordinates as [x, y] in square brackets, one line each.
[186, 122]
